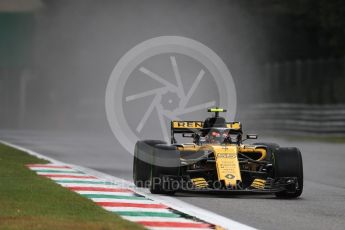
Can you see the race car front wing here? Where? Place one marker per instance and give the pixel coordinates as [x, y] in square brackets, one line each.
[268, 185]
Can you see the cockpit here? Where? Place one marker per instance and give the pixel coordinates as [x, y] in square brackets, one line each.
[214, 130]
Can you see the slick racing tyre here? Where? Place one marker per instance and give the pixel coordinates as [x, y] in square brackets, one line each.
[143, 153]
[164, 167]
[288, 163]
[270, 148]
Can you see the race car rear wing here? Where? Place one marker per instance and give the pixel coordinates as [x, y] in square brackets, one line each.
[195, 126]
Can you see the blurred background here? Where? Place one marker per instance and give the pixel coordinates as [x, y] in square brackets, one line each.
[286, 58]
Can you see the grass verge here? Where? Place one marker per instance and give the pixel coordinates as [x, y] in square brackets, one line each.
[28, 201]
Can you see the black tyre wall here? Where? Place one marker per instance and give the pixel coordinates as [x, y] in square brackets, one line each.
[143, 155]
[288, 162]
[167, 157]
[166, 162]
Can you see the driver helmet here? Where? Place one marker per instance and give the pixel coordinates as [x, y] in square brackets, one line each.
[216, 135]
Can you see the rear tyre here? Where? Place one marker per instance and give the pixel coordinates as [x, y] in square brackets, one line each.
[143, 153]
[271, 147]
[288, 163]
[165, 165]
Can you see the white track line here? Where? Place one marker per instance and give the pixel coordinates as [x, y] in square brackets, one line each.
[174, 203]
[52, 169]
[57, 179]
[87, 185]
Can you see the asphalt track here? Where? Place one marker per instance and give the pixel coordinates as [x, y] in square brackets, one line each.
[321, 206]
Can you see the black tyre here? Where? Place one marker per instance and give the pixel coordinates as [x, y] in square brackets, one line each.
[166, 162]
[143, 153]
[271, 147]
[288, 163]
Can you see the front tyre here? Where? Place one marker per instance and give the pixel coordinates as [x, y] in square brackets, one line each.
[165, 165]
[143, 153]
[288, 163]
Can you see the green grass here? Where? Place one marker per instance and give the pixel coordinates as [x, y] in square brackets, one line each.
[28, 201]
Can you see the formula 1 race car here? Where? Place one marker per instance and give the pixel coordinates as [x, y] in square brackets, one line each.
[217, 161]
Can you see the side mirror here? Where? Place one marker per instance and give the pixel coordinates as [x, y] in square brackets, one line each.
[252, 136]
[188, 135]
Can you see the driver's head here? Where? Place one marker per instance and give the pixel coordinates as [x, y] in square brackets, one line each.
[216, 136]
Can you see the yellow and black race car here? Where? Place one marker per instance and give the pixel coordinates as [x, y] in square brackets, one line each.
[217, 161]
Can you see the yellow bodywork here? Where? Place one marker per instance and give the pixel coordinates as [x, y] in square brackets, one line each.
[258, 183]
[226, 158]
[226, 155]
[227, 165]
[200, 182]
